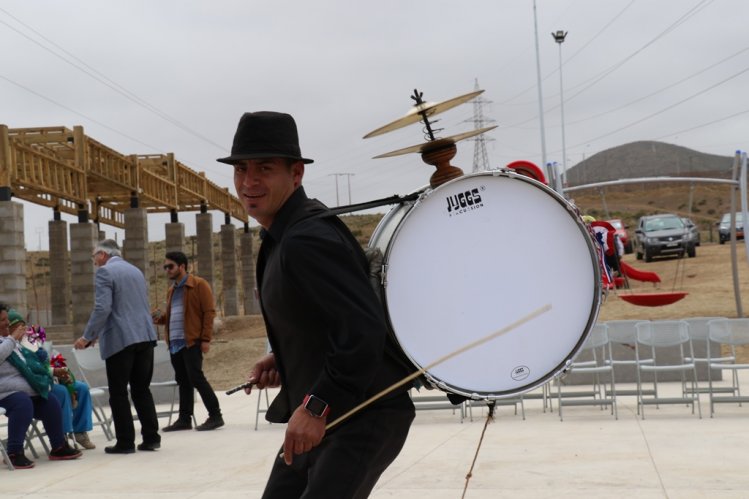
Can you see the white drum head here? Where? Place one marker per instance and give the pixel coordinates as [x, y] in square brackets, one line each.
[477, 254]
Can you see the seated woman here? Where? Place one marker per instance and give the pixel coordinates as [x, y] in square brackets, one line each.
[79, 419]
[24, 390]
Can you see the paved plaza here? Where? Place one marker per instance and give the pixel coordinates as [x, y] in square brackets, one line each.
[670, 454]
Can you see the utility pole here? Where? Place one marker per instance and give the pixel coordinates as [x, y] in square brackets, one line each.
[336, 175]
[480, 158]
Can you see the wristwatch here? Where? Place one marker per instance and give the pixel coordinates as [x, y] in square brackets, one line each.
[315, 406]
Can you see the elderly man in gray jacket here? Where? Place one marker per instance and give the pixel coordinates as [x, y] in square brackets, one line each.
[121, 322]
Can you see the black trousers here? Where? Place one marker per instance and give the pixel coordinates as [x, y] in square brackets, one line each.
[188, 372]
[132, 365]
[349, 460]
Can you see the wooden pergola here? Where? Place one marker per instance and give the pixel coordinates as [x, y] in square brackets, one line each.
[73, 173]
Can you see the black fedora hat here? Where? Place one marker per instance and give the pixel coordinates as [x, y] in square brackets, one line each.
[265, 134]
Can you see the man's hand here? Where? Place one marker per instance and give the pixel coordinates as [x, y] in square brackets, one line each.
[82, 343]
[205, 346]
[264, 374]
[303, 433]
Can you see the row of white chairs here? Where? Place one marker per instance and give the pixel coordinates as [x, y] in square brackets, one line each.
[660, 347]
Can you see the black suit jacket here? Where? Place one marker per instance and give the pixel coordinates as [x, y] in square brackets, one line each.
[325, 324]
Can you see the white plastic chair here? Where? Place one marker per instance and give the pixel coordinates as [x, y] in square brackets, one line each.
[656, 337]
[89, 361]
[3, 450]
[599, 348]
[623, 337]
[733, 333]
[698, 332]
[162, 356]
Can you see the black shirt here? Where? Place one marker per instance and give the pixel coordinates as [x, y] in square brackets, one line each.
[325, 323]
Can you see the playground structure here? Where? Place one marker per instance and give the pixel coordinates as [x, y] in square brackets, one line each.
[738, 182]
[75, 174]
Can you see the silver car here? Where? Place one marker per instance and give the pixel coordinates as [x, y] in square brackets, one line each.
[693, 232]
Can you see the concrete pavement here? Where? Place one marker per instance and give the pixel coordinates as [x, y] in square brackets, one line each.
[671, 454]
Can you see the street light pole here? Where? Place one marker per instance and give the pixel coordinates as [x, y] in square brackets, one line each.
[549, 172]
[559, 37]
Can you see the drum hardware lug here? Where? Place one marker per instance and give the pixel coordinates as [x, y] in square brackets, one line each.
[384, 275]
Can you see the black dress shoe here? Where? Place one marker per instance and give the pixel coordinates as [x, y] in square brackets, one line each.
[114, 449]
[179, 425]
[211, 423]
[149, 446]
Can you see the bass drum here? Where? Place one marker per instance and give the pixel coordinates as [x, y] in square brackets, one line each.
[474, 255]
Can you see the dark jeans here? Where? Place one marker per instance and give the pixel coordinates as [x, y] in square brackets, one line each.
[188, 372]
[349, 460]
[132, 365]
[21, 408]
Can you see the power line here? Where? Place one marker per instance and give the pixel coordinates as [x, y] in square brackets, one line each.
[103, 79]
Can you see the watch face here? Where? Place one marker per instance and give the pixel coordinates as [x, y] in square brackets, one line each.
[315, 406]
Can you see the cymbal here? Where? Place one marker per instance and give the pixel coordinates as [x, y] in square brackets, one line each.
[436, 144]
[417, 112]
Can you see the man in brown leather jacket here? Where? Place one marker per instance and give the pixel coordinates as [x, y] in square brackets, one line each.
[190, 311]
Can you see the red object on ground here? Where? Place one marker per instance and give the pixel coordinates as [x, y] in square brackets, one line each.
[638, 275]
[653, 299]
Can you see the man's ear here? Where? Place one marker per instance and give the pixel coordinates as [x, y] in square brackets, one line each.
[297, 171]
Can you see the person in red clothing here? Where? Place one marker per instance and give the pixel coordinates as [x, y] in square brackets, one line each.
[190, 311]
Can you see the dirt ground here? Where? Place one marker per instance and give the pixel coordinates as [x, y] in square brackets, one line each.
[238, 342]
[707, 279]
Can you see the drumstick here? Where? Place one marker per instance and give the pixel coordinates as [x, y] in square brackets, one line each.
[442, 359]
[241, 387]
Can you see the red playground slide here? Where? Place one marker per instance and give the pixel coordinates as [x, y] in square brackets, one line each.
[638, 275]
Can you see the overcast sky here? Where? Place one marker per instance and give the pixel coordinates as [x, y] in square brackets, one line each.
[144, 76]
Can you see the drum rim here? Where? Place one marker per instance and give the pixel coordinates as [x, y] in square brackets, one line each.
[592, 316]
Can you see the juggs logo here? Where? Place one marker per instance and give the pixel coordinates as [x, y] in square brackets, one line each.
[458, 204]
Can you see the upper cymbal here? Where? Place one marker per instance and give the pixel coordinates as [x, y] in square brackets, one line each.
[419, 111]
[435, 144]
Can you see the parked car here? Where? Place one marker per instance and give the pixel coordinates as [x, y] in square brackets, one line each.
[692, 230]
[661, 235]
[621, 232]
[724, 228]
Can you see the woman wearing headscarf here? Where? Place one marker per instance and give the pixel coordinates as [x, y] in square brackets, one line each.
[24, 393]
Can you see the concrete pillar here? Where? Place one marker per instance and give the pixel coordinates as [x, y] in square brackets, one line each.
[135, 246]
[251, 305]
[204, 229]
[59, 272]
[12, 256]
[83, 238]
[175, 237]
[229, 270]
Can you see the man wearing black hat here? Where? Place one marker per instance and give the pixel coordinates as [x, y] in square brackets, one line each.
[325, 324]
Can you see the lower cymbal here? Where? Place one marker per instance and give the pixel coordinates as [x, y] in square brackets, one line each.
[436, 144]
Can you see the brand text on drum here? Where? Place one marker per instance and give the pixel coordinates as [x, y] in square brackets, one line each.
[465, 200]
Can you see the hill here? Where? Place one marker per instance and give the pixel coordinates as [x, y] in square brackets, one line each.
[648, 159]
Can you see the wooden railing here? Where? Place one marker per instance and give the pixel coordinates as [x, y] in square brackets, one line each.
[57, 167]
